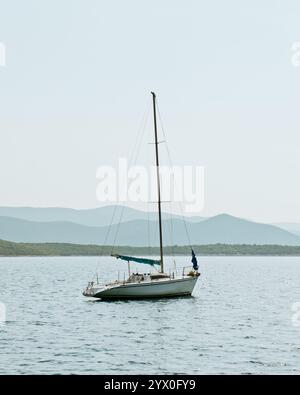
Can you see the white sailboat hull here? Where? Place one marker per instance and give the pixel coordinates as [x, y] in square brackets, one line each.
[152, 289]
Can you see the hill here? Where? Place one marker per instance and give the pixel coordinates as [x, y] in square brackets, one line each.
[100, 216]
[223, 229]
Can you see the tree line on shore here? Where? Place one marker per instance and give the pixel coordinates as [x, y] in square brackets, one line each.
[8, 248]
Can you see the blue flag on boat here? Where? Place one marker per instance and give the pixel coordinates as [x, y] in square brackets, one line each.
[194, 261]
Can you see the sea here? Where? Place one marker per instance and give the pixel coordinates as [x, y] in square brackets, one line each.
[243, 318]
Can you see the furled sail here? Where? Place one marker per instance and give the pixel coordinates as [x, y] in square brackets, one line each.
[146, 261]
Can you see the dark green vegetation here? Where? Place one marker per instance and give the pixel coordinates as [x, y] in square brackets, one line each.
[8, 248]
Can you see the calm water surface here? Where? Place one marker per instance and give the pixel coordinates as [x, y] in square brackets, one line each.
[239, 320]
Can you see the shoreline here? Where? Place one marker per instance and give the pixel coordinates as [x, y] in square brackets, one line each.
[14, 249]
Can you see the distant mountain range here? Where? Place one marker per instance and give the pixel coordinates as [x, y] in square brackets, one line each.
[101, 216]
[290, 227]
[60, 225]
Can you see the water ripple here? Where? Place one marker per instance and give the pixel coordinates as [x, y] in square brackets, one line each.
[238, 321]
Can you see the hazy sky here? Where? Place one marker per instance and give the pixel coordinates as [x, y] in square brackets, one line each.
[78, 78]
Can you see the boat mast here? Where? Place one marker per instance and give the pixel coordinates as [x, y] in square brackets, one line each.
[158, 185]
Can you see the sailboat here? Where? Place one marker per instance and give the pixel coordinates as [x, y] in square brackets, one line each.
[149, 285]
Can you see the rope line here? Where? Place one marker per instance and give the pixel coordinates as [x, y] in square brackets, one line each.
[132, 162]
[137, 142]
[171, 164]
